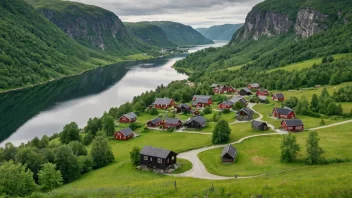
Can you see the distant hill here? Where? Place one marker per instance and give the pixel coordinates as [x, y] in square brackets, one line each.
[33, 50]
[220, 32]
[91, 26]
[149, 33]
[181, 34]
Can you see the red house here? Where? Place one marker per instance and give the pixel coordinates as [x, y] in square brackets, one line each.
[163, 103]
[253, 86]
[284, 113]
[231, 89]
[171, 123]
[278, 97]
[262, 92]
[219, 90]
[292, 125]
[201, 101]
[226, 105]
[235, 99]
[128, 118]
[124, 134]
[155, 122]
[183, 108]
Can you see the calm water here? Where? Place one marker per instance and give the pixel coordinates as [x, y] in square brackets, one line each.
[46, 109]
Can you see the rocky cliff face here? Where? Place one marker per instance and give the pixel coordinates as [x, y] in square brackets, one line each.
[310, 22]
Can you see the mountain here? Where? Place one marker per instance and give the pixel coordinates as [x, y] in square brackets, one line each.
[149, 33]
[220, 32]
[33, 50]
[91, 26]
[182, 35]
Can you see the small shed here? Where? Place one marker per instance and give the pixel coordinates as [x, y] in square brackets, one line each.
[228, 154]
[258, 125]
[196, 122]
[124, 134]
[245, 114]
[157, 158]
[155, 122]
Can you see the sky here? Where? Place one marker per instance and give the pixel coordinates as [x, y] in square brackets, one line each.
[197, 13]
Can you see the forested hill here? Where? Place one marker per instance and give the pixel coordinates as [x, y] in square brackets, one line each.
[33, 50]
[281, 32]
[149, 33]
[182, 35]
[91, 26]
[220, 32]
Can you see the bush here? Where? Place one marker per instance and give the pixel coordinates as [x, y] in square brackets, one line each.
[226, 111]
[207, 110]
[135, 125]
[153, 111]
[134, 155]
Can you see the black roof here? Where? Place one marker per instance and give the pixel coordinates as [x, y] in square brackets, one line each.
[235, 99]
[257, 123]
[294, 122]
[155, 152]
[172, 120]
[156, 120]
[246, 90]
[229, 149]
[262, 98]
[279, 95]
[183, 106]
[283, 111]
[228, 103]
[248, 111]
[199, 119]
[162, 101]
[126, 131]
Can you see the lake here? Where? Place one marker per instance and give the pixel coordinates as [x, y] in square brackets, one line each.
[46, 109]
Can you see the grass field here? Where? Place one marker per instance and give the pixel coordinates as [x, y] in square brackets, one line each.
[185, 166]
[138, 57]
[262, 155]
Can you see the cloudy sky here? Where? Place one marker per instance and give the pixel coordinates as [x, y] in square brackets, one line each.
[197, 13]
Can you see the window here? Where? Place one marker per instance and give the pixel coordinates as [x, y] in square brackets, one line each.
[145, 157]
[173, 157]
[151, 159]
[160, 160]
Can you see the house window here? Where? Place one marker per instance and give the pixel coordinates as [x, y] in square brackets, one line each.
[145, 157]
[160, 160]
[151, 159]
[173, 157]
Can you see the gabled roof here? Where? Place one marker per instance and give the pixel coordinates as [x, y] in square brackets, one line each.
[199, 119]
[155, 152]
[215, 85]
[202, 97]
[279, 95]
[229, 149]
[257, 123]
[130, 115]
[294, 122]
[283, 111]
[228, 103]
[162, 101]
[262, 97]
[172, 120]
[247, 110]
[155, 120]
[126, 131]
[246, 90]
[235, 99]
[183, 106]
[254, 85]
[201, 100]
[262, 90]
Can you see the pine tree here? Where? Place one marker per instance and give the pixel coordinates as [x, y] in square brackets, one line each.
[221, 133]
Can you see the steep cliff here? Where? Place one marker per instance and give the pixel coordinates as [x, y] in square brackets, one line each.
[91, 26]
[220, 32]
[309, 22]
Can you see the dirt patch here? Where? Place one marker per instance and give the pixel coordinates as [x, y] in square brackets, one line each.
[259, 160]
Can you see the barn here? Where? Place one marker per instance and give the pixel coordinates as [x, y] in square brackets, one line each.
[283, 113]
[196, 122]
[245, 92]
[294, 125]
[262, 92]
[129, 117]
[124, 134]
[168, 123]
[258, 125]
[253, 86]
[278, 97]
[245, 114]
[157, 158]
[183, 108]
[201, 101]
[163, 103]
[228, 154]
[155, 122]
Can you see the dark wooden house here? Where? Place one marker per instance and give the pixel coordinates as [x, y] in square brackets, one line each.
[155, 122]
[294, 125]
[245, 114]
[196, 122]
[157, 158]
[127, 118]
[168, 123]
[245, 92]
[228, 154]
[258, 125]
[183, 108]
[163, 103]
[283, 113]
[124, 134]
[278, 97]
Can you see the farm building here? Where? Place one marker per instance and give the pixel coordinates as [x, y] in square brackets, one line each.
[294, 125]
[183, 108]
[262, 92]
[235, 99]
[245, 92]
[124, 134]
[202, 101]
[155, 122]
[228, 154]
[278, 97]
[283, 113]
[168, 123]
[196, 122]
[163, 103]
[157, 158]
[253, 86]
[245, 114]
[258, 125]
[129, 117]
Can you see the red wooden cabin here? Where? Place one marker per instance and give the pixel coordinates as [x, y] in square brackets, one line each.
[283, 113]
[163, 103]
[124, 134]
[278, 97]
[226, 105]
[128, 118]
[262, 92]
[155, 122]
[201, 101]
[295, 125]
[219, 90]
[171, 123]
[253, 86]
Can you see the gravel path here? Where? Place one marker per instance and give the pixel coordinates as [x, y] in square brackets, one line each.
[330, 125]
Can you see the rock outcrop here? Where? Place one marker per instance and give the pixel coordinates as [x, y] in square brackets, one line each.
[310, 22]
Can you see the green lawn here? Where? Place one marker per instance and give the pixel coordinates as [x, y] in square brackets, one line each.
[242, 130]
[235, 68]
[262, 154]
[185, 166]
[138, 57]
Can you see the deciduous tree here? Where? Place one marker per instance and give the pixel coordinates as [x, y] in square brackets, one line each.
[289, 148]
[70, 133]
[67, 163]
[49, 177]
[221, 133]
[313, 150]
[101, 152]
[134, 155]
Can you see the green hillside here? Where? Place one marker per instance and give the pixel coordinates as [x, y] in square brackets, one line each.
[150, 34]
[182, 35]
[91, 26]
[33, 50]
[220, 32]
